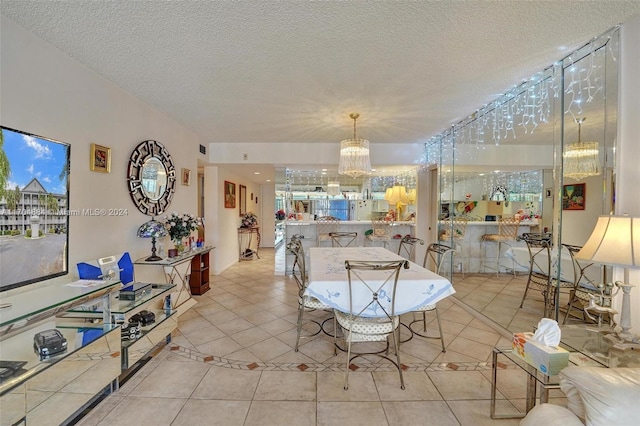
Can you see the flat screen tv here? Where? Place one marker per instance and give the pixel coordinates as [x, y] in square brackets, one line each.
[34, 205]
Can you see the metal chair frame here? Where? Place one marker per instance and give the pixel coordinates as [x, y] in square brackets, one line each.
[305, 303]
[590, 298]
[454, 230]
[380, 232]
[358, 328]
[435, 254]
[507, 231]
[343, 239]
[407, 247]
[325, 226]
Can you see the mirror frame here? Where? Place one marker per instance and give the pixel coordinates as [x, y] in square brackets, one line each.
[144, 151]
[243, 199]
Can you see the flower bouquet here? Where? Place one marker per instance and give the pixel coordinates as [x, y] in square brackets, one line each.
[180, 226]
[249, 220]
[280, 214]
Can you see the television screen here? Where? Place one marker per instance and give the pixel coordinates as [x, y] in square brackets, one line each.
[34, 202]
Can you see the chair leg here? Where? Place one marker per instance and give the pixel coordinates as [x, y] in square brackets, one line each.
[300, 317]
[348, 342]
[440, 330]
[571, 300]
[526, 290]
[396, 345]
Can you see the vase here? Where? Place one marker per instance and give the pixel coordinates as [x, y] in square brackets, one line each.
[177, 242]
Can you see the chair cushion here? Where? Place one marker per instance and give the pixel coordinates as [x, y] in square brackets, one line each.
[550, 415]
[366, 329]
[426, 308]
[604, 396]
[312, 303]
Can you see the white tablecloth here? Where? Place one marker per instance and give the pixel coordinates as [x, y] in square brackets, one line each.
[329, 283]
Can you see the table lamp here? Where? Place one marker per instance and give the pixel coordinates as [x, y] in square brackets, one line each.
[152, 229]
[615, 241]
[398, 196]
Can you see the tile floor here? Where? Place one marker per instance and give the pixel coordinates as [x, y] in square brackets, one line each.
[231, 362]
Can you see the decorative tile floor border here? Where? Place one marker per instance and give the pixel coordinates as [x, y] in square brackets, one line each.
[328, 366]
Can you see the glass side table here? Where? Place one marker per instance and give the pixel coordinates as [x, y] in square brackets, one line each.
[534, 377]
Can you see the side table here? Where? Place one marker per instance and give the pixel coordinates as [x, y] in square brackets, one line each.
[245, 237]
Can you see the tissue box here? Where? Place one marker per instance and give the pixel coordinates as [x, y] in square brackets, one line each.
[547, 359]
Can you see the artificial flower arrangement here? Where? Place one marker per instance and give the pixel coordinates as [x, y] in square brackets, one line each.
[249, 220]
[280, 214]
[181, 226]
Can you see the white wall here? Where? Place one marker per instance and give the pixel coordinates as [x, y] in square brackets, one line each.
[47, 93]
[628, 154]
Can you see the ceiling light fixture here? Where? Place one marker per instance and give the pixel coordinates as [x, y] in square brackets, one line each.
[354, 154]
[581, 159]
[333, 188]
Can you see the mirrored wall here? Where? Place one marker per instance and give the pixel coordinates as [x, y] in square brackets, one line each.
[515, 157]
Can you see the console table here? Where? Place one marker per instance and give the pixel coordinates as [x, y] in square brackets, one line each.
[245, 236]
[177, 270]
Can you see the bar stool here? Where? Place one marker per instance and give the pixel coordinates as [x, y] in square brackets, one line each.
[343, 239]
[325, 226]
[380, 231]
[507, 231]
[454, 235]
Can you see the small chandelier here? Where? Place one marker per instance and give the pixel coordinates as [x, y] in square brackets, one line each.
[354, 154]
[581, 159]
[333, 188]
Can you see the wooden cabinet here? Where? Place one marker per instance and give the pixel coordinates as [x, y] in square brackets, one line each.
[199, 279]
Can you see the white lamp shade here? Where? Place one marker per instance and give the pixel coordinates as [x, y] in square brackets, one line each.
[398, 195]
[615, 241]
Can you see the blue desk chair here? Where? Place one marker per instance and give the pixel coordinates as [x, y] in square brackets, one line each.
[108, 266]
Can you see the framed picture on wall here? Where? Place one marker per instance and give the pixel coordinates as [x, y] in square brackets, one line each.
[100, 158]
[186, 176]
[229, 195]
[243, 199]
[574, 196]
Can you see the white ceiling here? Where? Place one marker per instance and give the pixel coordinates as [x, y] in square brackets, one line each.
[292, 71]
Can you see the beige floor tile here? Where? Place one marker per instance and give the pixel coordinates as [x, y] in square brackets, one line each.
[269, 349]
[204, 335]
[172, 380]
[478, 351]
[351, 413]
[416, 413]
[278, 413]
[286, 386]
[456, 385]
[145, 411]
[250, 336]
[220, 347]
[191, 325]
[234, 326]
[361, 387]
[212, 413]
[418, 386]
[476, 413]
[277, 326]
[227, 383]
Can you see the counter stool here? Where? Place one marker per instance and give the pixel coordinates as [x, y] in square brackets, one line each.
[454, 235]
[380, 232]
[507, 232]
[325, 225]
[343, 239]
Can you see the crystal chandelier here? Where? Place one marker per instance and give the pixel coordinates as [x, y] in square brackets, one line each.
[581, 159]
[354, 154]
[333, 188]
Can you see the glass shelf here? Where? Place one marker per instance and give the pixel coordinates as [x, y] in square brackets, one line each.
[161, 316]
[125, 306]
[20, 347]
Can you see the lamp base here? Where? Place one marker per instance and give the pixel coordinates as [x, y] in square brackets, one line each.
[153, 258]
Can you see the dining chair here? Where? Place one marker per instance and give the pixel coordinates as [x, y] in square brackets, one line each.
[305, 303]
[453, 234]
[343, 239]
[325, 225]
[407, 247]
[374, 283]
[433, 258]
[587, 293]
[507, 232]
[380, 231]
[540, 271]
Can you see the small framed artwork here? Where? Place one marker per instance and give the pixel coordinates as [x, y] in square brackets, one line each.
[100, 158]
[186, 177]
[574, 196]
[252, 196]
[243, 199]
[229, 195]
[548, 192]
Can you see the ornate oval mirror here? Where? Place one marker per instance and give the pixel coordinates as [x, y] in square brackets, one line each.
[151, 177]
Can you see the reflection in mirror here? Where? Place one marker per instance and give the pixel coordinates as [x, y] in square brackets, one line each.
[511, 151]
[154, 178]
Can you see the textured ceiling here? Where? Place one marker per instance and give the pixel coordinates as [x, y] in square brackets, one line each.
[292, 71]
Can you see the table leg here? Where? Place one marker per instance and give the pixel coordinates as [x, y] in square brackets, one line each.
[531, 393]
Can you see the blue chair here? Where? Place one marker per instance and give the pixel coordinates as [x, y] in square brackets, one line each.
[100, 268]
